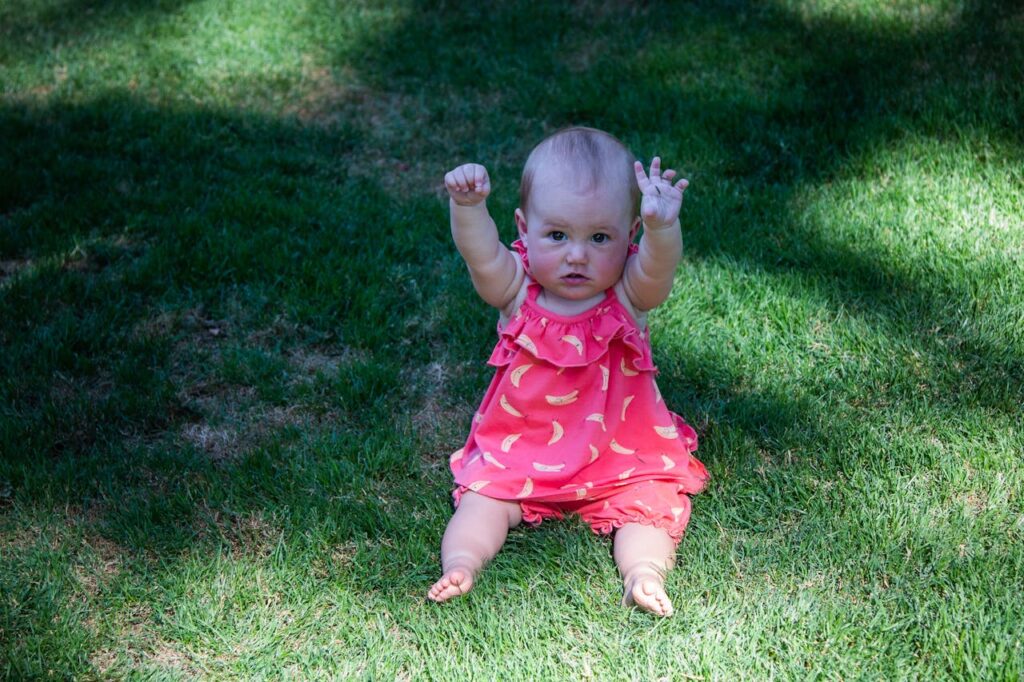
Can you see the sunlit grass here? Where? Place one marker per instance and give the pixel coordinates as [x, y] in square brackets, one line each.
[237, 345]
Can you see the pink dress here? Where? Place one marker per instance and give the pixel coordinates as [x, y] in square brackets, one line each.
[573, 422]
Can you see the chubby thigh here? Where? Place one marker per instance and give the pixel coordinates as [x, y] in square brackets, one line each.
[470, 503]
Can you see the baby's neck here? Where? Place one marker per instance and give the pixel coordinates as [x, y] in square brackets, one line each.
[564, 306]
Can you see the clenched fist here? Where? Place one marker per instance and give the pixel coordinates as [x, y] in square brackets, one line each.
[468, 184]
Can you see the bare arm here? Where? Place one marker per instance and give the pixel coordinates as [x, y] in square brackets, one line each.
[648, 277]
[497, 275]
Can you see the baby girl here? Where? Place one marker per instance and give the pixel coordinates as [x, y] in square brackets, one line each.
[573, 421]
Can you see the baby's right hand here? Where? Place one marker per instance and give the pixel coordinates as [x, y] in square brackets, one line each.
[468, 184]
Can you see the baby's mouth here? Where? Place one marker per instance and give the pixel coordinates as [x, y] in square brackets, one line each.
[575, 278]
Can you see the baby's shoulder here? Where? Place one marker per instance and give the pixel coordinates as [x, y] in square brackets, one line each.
[640, 317]
[506, 313]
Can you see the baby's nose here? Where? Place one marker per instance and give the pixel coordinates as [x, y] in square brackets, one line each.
[577, 253]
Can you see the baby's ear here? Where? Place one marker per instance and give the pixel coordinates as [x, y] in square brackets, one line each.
[521, 223]
[633, 230]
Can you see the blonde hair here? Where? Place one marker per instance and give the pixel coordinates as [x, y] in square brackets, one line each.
[600, 159]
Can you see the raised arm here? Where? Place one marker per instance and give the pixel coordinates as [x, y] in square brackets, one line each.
[496, 273]
[648, 277]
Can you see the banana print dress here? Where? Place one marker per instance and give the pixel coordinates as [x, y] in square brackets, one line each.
[573, 422]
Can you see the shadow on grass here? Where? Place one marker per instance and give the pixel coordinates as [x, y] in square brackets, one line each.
[834, 90]
[117, 215]
[193, 208]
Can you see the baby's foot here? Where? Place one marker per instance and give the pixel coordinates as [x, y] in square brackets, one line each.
[647, 590]
[454, 583]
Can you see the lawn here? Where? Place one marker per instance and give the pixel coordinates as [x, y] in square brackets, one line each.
[237, 344]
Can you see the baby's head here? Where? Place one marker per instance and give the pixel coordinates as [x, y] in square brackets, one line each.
[590, 160]
[578, 211]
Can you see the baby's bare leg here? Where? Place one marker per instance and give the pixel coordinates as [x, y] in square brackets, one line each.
[474, 535]
[644, 554]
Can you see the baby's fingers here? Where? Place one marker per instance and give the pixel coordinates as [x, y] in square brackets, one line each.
[479, 176]
[480, 181]
[455, 180]
[450, 182]
[655, 168]
[468, 184]
[641, 176]
[464, 177]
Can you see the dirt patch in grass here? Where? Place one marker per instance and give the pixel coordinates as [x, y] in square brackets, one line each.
[428, 417]
[9, 268]
[310, 361]
[233, 422]
[440, 421]
[382, 122]
[170, 655]
[228, 419]
[251, 535]
[974, 503]
[96, 571]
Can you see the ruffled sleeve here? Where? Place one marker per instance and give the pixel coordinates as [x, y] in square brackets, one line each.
[519, 247]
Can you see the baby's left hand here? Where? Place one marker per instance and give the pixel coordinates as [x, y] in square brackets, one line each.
[661, 199]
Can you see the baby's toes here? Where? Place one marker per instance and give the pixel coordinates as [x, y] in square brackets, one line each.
[452, 584]
[650, 596]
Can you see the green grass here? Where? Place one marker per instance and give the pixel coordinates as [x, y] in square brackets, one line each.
[237, 344]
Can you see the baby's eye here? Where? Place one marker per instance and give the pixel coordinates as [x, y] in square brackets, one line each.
[600, 238]
[557, 236]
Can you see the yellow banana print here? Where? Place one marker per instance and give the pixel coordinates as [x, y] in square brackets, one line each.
[527, 343]
[604, 377]
[620, 449]
[669, 462]
[517, 374]
[562, 399]
[676, 511]
[627, 371]
[488, 457]
[668, 432]
[556, 432]
[548, 467]
[475, 486]
[599, 418]
[625, 404]
[581, 493]
[657, 392]
[506, 444]
[575, 342]
[457, 455]
[527, 488]
[594, 452]
[627, 473]
[503, 401]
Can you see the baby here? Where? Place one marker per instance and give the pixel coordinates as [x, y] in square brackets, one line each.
[573, 421]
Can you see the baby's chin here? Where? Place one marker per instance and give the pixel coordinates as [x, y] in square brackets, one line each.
[576, 292]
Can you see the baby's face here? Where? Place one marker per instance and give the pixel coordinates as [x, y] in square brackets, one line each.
[577, 240]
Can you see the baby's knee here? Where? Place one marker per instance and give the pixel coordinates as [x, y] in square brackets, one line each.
[481, 504]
